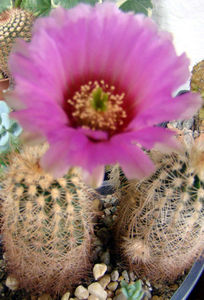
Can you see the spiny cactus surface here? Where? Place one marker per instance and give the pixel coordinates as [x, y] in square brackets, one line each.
[197, 79]
[47, 225]
[160, 224]
[197, 83]
[14, 23]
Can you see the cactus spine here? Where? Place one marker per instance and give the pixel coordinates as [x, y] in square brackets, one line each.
[160, 224]
[47, 225]
[14, 23]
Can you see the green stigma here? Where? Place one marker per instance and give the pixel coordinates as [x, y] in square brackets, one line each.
[99, 100]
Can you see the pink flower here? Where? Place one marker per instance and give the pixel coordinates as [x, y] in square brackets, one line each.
[94, 82]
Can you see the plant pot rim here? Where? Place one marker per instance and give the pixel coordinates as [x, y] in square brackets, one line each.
[4, 79]
[4, 85]
[190, 281]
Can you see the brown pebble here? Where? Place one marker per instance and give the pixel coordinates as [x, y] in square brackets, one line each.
[104, 281]
[120, 278]
[110, 294]
[132, 276]
[174, 287]
[120, 296]
[97, 205]
[112, 286]
[45, 297]
[118, 291]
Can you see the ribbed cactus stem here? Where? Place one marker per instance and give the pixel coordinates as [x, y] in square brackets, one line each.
[160, 225]
[47, 225]
[14, 23]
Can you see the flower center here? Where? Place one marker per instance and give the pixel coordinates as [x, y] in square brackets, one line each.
[98, 106]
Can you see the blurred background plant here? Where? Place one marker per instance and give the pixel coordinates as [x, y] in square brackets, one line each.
[9, 133]
[9, 129]
[43, 7]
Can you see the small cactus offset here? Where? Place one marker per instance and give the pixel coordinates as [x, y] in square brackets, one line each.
[160, 224]
[132, 291]
[47, 225]
[14, 23]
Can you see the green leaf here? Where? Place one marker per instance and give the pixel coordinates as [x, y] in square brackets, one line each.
[43, 7]
[17, 3]
[140, 296]
[137, 6]
[5, 4]
[71, 3]
[38, 7]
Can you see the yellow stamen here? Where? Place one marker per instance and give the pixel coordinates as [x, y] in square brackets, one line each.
[97, 106]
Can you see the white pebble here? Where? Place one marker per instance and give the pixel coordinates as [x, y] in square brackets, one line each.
[12, 283]
[66, 296]
[97, 290]
[81, 292]
[99, 270]
[92, 297]
[115, 275]
[125, 275]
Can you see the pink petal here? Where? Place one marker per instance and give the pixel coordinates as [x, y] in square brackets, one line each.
[70, 148]
[66, 146]
[151, 137]
[181, 107]
[44, 118]
[95, 178]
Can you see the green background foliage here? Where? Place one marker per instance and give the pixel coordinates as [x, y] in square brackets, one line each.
[4, 4]
[43, 7]
[138, 6]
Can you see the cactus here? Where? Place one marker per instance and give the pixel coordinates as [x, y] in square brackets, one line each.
[197, 79]
[47, 225]
[132, 291]
[160, 224]
[197, 83]
[14, 23]
[9, 129]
